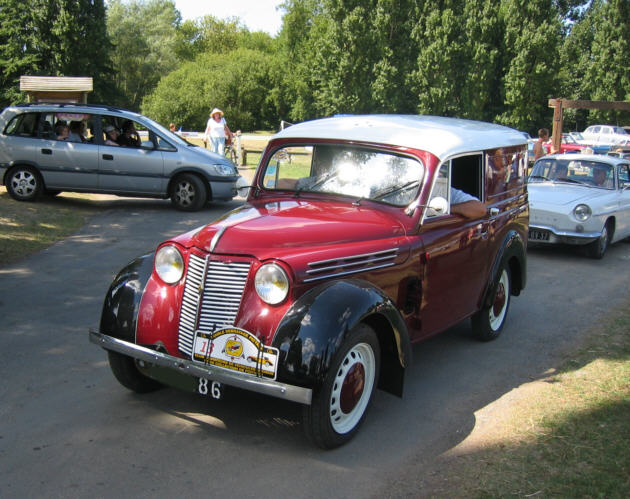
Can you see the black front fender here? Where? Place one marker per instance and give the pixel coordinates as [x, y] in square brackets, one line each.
[120, 309]
[317, 324]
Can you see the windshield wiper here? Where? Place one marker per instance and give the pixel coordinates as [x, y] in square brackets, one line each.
[397, 188]
[539, 176]
[310, 187]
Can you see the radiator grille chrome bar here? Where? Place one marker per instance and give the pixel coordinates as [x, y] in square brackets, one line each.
[212, 297]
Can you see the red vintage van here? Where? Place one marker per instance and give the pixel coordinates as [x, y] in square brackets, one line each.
[353, 244]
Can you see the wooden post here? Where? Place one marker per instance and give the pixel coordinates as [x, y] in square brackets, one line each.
[239, 148]
[556, 135]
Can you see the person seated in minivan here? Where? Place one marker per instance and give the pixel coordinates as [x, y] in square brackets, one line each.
[77, 132]
[129, 136]
[62, 131]
[111, 135]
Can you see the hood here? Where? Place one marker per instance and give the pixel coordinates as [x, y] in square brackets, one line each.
[275, 228]
[562, 194]
[207, 156]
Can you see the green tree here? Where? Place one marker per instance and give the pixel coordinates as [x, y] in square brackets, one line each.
[238, 82]
[53, 37]
[533, 33]
[607, 77]
[144, 34]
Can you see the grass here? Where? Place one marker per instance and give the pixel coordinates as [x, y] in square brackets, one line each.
[569, 437]
[26, 228]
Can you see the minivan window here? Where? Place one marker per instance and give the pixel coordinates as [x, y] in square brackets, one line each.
[24, 125]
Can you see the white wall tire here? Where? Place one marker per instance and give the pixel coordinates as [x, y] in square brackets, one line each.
[340, 404]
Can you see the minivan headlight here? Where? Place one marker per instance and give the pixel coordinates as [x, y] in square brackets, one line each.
[169, 264]
[582, 212]
[272, 283]
[224, 170]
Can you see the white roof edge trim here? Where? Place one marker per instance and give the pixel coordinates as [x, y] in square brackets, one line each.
[442, 137]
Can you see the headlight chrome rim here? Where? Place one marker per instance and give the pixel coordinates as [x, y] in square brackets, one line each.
[169, 264]
[582, 212]
[271, 283]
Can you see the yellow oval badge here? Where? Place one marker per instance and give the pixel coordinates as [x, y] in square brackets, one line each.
[234, 347]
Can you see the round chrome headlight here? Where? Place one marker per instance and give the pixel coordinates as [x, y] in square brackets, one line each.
[582, 212]
[169, 264]
[272, 283]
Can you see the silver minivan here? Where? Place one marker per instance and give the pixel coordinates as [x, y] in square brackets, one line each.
[49, 148]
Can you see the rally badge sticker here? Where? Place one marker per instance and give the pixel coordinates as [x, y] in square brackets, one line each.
[236, 349]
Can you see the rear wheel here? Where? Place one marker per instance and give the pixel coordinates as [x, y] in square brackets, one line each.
[24, 183]
[597, 248]
[488, 322]
[127, 374]
[338, 407]
[188, 192]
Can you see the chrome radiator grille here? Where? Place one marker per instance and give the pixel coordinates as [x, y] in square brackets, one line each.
[212, 296]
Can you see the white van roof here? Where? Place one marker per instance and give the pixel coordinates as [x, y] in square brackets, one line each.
[443, 137]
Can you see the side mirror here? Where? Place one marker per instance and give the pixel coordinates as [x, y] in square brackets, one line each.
[438, 206]
[242, 187]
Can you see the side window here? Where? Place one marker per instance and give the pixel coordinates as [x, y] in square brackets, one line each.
[624, 174]
[24, 125]
[47, 126]
[132, 133]
[162, 144]
[606, 129]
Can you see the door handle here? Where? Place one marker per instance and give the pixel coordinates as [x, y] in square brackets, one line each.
[47, 151]
[108, 157]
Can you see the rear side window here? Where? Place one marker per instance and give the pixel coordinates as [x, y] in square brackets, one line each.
[23, 125]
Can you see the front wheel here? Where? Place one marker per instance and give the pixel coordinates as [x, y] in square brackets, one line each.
[597, 248]
[188, 193]
[24, 183]
[127, 374]
[489, 321]
[338, 407]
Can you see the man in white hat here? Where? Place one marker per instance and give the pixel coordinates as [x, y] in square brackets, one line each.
[217, 131]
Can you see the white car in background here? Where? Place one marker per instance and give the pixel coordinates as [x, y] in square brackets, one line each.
[579, 200]
[606, 135]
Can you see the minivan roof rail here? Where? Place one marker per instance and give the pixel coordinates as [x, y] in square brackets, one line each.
[74, 104]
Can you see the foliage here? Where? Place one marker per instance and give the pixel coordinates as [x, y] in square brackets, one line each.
[236, 82]
[144, 35]
[52, 37]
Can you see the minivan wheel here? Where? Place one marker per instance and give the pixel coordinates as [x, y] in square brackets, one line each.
[188, 192]
[489, 321]
[24, 183]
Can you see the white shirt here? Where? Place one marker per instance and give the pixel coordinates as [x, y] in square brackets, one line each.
[216, 129]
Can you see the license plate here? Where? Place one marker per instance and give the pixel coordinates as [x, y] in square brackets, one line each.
[538, 235]
[237, 350]
[209, 387]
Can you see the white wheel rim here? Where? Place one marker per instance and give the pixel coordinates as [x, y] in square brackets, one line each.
[497, 316]
[23, 183]
[360, 359]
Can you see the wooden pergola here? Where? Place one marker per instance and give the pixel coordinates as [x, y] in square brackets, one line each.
[559, 104]
[68, 89]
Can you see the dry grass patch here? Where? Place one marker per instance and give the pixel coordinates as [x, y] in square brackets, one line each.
[26, 228]
[565, 436]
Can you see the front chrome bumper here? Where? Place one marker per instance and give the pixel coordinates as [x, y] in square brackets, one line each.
[198, 370]
[563, 237]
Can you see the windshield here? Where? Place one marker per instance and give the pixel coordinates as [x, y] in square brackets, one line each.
[576, 171]
[166, 132]
[346, 170]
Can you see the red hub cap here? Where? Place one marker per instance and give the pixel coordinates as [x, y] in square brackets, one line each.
[499, 299]
[352, 388]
